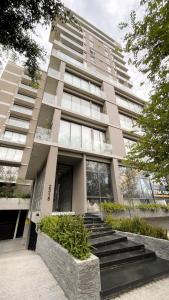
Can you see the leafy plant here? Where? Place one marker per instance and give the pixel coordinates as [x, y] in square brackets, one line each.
[114, 207]
[153, 207]
[18, 24]
[147, 42]
[138, 226]
[70, 232]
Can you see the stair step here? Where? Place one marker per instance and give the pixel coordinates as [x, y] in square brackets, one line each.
[107, 240]
[126, 257]
[102, 233]
[125, 277]
[117, 248]
[100, 229]
[98, 225]
[92, 220]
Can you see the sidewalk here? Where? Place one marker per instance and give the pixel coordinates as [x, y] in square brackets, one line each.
[24, 276]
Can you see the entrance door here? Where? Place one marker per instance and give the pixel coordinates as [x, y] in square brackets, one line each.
[63, 188]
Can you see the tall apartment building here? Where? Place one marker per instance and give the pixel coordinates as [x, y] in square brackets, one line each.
[70, 135]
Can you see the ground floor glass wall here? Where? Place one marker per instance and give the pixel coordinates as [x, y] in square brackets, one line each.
[99, 187]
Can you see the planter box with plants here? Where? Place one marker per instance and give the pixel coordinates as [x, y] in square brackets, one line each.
[118, 210]
[63, 245]
[138, 230]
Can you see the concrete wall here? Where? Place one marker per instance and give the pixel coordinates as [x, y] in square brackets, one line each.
[79, 202]
[80, 280]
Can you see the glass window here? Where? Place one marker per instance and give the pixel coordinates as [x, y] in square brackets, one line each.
[76, 135]
[64, 133]
[96, 111]
[86, 138]
[84, 84]
[75, 104]
[134, 185]
[128, 143]
[66, 101]
[68, 77]
[128, 104]
[85, 107]
[76, 81]
[99, 187]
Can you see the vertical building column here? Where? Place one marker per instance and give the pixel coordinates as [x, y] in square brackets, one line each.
[49, 182]
[116, 181]
[79, 197]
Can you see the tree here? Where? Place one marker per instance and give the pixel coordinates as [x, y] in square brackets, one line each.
[147, 43]
[18, 21]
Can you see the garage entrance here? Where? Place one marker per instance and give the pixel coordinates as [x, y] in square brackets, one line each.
[12, 223]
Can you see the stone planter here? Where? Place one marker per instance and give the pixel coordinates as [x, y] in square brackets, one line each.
[160, 246]
[79, 279]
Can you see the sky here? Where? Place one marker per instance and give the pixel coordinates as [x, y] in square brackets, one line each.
[106, 15]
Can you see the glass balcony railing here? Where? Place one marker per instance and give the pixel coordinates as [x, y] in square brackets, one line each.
[53, 73]
[43, 134]
[96, 147]
[49, 99]
[90, 113]
[13, 137]
[8, 173]
[67, 58]
[10, 154]
[18, 123]
[21, 109]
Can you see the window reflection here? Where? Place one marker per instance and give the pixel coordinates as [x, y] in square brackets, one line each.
[99, 188]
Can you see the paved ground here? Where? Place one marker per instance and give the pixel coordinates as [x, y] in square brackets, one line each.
[12, 245]
[24, 276]
[157, 290]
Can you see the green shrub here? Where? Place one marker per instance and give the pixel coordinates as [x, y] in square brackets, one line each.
[137, 225]
[70, 232]
[113, 207]
[152, 207]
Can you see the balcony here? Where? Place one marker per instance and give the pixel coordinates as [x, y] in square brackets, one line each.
[10, 155]
[27, 90]
[66, 58]
[43, 134]
[70, 34]
[22, 99]
[53, 73]
[14, 138]
[99, 148]
[69, 43]
[49, 99]
[21, 110]
[93, 114]
[18, 123]
[8, 174]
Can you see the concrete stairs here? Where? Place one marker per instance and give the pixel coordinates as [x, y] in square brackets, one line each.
[124, 264]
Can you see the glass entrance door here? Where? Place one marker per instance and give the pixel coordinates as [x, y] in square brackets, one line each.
[63, 188]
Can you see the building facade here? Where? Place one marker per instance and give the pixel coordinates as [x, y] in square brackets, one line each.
[69, 136]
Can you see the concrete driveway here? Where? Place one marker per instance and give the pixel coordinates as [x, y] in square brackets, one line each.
[24, 276]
